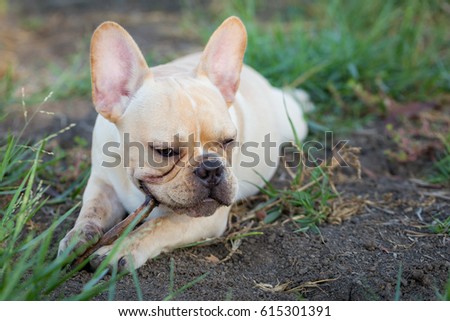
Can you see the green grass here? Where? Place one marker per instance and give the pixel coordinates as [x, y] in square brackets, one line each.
[446, 295]
[441, 169]
[29, 269]
[440, 226]
[308, 207]
[308, 198]
[441, 175]
[74, 81]
[349, 54]
[7, 87]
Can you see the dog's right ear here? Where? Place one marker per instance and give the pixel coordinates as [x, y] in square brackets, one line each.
[118, 69]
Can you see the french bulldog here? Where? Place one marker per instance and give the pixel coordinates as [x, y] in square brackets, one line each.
[205, 102]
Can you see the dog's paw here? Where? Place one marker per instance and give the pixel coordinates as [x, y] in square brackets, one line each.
[80, 238]
[123, 259]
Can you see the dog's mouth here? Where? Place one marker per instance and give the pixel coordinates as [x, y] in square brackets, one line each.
[207, 207]
[204, 207]
[144, 188]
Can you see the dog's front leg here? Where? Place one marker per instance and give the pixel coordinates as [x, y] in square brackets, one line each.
[161, 235]
[100, 211]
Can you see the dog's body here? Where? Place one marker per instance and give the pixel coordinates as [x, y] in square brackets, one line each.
[198, 95]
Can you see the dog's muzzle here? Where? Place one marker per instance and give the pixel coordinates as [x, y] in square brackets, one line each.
[210, 171]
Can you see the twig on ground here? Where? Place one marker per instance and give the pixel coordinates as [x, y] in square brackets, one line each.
[116, 231]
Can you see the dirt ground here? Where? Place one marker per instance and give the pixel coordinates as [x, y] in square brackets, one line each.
[385, 243]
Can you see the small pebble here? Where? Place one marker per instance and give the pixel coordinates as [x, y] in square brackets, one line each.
[370, 246]
[404, 282]
[417, 275]
[272, 238]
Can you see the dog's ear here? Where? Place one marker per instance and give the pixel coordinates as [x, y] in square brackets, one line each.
[118, 69]
[223, 56]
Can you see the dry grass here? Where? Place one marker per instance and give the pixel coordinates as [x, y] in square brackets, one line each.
[288, 288]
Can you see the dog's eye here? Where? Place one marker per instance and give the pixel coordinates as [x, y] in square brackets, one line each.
[167, 152]
[227, 141]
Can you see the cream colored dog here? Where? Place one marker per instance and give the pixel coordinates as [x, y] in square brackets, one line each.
[208, 101]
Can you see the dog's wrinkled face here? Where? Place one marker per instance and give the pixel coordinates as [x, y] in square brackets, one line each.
[185, 130]
[177, 125]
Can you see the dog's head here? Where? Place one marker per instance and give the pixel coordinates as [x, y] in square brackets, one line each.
[175, 126]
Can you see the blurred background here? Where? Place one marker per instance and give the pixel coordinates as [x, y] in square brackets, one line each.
[341, 51]
[360, 61]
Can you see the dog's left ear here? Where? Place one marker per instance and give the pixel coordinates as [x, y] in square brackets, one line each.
[223, 56]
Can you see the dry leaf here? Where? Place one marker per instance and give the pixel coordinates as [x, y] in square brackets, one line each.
[212, 259]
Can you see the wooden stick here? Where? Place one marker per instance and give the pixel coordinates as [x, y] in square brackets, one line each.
[114, 233]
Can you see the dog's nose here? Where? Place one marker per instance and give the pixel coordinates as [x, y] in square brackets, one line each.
[210, 172]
